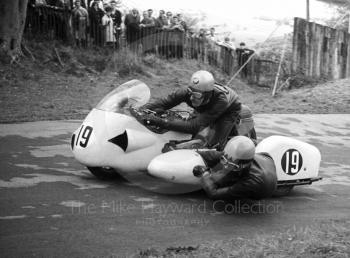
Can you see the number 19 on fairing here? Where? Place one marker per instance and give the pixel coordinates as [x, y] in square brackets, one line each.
[83, 137]
[291, 162]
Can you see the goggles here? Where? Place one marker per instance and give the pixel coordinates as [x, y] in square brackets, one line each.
[195, 94]
[237, 164]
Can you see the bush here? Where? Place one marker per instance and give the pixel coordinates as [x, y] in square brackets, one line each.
[125, 63]
[301, 80]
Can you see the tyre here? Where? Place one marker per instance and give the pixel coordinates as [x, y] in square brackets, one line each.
[283, 190]
[104, 172]
[252, 134]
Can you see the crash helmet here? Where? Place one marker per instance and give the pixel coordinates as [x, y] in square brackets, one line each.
[202, 81]
[240, 148]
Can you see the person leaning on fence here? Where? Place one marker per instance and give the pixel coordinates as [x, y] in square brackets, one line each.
[213, 48]
[80, 24]
[202, 42]
[182, 21]
[161, 21]
[132, 27]
[146, 21]
[107, 23]
[150, 15]
[147, 28]
[96, 31]
[176, 39]
[243, 54]
[169, 16]
[227, 55]
[117, 21]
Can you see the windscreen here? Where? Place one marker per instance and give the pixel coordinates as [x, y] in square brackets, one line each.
[133, 93]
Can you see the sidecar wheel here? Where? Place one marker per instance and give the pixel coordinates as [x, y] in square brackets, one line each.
[103, 172]
[283, 190]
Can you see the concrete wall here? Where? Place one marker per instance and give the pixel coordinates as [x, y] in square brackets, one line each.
[320, 51]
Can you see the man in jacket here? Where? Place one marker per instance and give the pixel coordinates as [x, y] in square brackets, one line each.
[239, 173]
[217, 106]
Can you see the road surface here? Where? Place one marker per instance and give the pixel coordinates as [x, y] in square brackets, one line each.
[52, 206]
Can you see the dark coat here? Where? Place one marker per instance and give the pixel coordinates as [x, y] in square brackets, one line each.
[258, 182]
[223, 102]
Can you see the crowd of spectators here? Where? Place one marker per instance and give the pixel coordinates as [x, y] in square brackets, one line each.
[102, 23]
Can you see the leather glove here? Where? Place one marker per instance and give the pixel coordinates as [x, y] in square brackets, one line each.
[169, 146]
[198, 171]
[154, 120]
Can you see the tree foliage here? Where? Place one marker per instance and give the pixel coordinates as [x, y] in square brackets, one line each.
[340, 19]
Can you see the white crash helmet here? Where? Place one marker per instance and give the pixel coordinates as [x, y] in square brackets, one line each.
[240, 148]
[202, 81]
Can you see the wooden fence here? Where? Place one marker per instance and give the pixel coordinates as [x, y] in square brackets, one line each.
[320, 51]
[52, 23]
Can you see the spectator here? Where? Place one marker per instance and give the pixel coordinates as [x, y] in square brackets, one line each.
[213, 48]
[116, 14]
[227, 55]
[176, 24]
[147, 32]
[176, 39]
[169, 17]
[202, 42]
[99, 3]
[161, 21]
[96, 15]
[63, 4]
[182, 21]
[146, 20]
[108, 25]
[132, 26]
[150, 13]
[243, 54]
[117, 21]
[80, 24]
[228, 44]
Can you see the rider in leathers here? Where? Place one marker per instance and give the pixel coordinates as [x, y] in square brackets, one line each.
[239, 172]
[218, 109]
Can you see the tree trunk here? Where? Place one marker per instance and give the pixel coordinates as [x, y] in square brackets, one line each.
[12, 22]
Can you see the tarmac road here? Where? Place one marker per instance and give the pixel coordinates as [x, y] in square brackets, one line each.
[51, 206]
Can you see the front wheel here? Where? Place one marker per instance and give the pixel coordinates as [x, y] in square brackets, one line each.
[252, 134]
[104, 172]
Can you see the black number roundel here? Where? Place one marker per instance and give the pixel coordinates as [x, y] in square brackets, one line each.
[291, 162]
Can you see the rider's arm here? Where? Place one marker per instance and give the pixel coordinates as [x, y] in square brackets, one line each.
[203, 120]
[170, 101]
[211, 157]
[212, 186]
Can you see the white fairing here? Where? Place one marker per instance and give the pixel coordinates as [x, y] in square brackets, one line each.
[293, 159]
[176, 166]
[91, 142]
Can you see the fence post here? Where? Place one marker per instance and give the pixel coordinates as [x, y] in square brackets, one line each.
[279, 66]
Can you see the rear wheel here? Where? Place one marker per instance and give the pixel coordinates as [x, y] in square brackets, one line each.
[104, 172]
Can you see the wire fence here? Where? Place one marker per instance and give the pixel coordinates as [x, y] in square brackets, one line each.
[54, 23]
